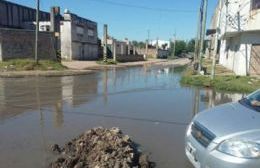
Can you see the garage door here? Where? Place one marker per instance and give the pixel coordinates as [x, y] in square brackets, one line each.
[254, 68]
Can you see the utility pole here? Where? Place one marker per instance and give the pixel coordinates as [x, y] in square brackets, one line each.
[37, 31]
[148, 33]
[196, 50]
[238, 19]
[105, 43]
[204, 20]
[146, 50]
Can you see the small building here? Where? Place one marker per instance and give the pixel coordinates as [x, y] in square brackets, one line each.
[124, 51]
[122, 47]
[157, 49]
[79, 38]
[17, 33]
[236, 43]
[17, 16]
[75, 37]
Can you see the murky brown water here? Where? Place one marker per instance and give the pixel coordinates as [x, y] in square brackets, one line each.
[147, 103]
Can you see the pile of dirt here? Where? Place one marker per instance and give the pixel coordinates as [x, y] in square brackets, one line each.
[100, 148]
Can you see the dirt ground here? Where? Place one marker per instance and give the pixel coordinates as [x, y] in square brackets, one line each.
[100, 148]
[84, 65]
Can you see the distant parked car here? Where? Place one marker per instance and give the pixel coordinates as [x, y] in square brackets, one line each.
[227, 136]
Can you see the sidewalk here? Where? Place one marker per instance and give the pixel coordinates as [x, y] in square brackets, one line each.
[87, 67]
[23, 74]
[92, 65]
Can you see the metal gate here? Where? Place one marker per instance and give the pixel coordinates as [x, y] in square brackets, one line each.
[254, 66]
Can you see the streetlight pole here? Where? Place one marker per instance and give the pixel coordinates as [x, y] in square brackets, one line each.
[37, 31]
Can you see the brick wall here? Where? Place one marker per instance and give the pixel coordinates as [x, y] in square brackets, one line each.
[129, 58]
[18, 43]
[152, 52]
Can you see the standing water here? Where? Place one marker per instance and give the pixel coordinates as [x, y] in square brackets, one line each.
[148, 103]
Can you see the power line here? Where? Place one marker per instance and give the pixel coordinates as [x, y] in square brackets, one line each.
[144, 7]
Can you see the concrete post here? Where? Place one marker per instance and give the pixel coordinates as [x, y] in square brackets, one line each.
[55, 27]
[157, 48]
[146, 49]
[37, 31]
[114, 50]
[134, 51]
[204, 20]
[122, 49]
[105, 44]
[157, 44]
[129, 49]
[213, 70]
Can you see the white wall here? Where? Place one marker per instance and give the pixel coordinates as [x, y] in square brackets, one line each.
[66, 48]
[237, 58]
[161, 43]
[230, 24]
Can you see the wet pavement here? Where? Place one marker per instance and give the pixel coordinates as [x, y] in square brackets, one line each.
[147, 103]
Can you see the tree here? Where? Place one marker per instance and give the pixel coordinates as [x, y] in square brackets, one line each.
[135, 43]
[139, 44]
[164, 46]
[191, 45]
[180, 47]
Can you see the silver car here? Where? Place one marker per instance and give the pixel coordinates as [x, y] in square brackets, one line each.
[227, 136]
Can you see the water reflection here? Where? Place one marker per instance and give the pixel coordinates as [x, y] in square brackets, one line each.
[146, 102]
[211, 98]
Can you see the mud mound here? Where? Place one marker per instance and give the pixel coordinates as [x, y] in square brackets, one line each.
[100, 148]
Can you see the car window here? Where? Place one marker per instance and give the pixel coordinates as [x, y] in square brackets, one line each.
[252, 101]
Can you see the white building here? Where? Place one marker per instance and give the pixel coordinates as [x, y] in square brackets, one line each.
[238, 32]
[162, 44]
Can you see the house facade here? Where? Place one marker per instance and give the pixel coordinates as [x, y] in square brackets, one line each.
[79, 38]
[237, 39]
[75, 37]
[17, 33]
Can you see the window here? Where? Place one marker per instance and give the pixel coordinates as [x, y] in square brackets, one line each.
[48, 28]
[252, 101]
[79, 30]
[90, 32]
[255, 4]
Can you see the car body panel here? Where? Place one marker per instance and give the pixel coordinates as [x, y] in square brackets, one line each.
[232, 117]
[228, 121]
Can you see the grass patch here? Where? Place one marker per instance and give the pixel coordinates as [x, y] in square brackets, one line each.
[241, 84]
[109, 62]
[30, 65]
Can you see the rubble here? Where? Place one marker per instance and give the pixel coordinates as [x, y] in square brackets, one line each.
[100, 148]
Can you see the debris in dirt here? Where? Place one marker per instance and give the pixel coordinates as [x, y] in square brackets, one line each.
[100, 148]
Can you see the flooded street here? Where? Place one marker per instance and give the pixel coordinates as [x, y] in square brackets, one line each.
[147, 103]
